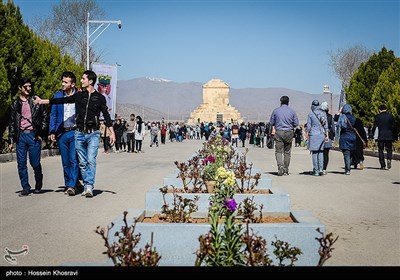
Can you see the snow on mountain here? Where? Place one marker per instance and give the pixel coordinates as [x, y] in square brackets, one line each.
[158, 79]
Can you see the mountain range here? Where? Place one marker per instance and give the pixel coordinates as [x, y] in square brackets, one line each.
[157, 98]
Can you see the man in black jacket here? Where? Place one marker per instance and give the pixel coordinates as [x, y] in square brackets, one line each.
[27, 127]
[88, 105]
[385, 123]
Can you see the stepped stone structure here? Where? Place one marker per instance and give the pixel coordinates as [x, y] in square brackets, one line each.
[215, 106]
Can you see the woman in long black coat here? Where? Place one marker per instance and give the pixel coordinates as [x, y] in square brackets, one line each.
[242, 134]
[357, 155]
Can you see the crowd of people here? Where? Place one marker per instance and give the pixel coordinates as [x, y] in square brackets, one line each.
[79, 121]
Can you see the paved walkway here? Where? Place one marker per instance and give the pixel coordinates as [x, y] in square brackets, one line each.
[363, 208]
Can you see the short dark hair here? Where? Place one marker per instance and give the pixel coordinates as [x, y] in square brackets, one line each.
[382, 107]
[132, 115]
[284, 100]
[69, 74]
[24, 81]
[91, 76]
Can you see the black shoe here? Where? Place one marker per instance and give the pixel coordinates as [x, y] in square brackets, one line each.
[389, 164]
[38, 186]
[37, 191]
[383, 168]
[79, 187]
[23, 193]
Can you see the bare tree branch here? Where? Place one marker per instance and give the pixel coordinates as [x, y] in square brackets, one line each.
[345, 62]
[66, 27]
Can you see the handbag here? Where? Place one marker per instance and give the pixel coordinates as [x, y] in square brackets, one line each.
[358, 134]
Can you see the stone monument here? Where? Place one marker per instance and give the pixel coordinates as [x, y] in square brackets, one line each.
[215, 106]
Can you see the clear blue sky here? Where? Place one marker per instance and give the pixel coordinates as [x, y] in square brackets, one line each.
[248, 44]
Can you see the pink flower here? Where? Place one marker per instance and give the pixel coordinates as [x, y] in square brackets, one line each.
[208, 159]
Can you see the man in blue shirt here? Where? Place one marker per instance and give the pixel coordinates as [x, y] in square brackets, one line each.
[283, 121]
[62, 128]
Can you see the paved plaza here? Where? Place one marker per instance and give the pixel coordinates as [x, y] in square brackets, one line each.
[363, 208]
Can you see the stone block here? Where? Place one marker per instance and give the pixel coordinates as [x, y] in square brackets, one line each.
[178, 242]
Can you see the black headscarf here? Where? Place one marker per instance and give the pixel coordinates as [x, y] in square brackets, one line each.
[139, 123]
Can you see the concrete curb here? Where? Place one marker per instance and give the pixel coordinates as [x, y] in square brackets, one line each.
[55, 152]
[373, 153]
[13, 157]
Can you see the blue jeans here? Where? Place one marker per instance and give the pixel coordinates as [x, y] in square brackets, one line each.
[347, 160]
[87, 146]
[66, 144]
[28, 144]
[318, 161]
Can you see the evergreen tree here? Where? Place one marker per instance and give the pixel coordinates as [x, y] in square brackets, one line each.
[12, 30]
[363, 83]
[25, 54]
[387, 92]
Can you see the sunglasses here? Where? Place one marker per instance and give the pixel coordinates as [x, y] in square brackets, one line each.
[27, 87]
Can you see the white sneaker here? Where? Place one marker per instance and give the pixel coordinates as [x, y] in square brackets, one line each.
[89, 192]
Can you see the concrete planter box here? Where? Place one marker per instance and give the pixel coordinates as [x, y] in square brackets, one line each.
[178, 242]
[277, 201]
[254, 170]
[263, 183]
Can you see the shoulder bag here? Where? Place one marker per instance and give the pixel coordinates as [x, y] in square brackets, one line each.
[358, 134]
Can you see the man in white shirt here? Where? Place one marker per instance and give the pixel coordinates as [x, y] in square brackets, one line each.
[62, 129]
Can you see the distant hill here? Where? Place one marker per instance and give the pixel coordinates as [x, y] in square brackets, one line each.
[158, 98]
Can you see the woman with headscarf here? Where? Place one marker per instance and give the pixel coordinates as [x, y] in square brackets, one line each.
[347, 140]
[139, 133]
[317, 134]
[357, 156]
[331, 134]
[119, 130]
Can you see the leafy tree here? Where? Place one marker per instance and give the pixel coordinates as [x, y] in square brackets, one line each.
[345, 62]
[25, 54]
[387, 91]
[66, 27]
[363, 83]
[12, 50]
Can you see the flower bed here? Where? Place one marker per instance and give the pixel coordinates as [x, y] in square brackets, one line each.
[232, 231]
[177, 242]
[263, 183]
[277, 201]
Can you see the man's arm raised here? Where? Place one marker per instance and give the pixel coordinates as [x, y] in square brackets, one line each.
[38, 100]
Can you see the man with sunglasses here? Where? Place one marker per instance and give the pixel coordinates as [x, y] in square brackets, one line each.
[27, 127]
